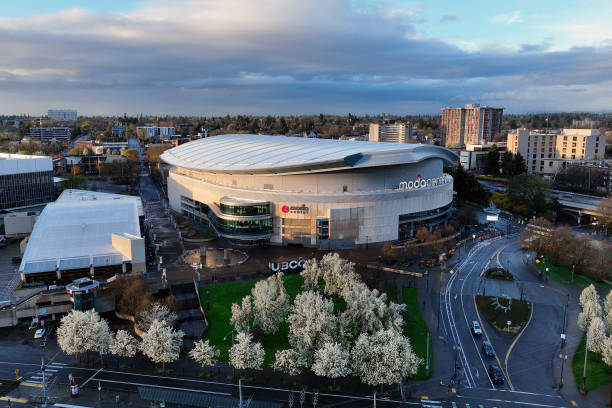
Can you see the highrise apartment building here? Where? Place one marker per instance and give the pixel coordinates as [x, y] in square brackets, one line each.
[390, 132]
[62, 114]
[473, 124]
[547, 152]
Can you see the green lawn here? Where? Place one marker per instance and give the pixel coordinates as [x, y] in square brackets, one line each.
[598, 373]
[416, 330]
[221, 299]
[563, 275]
[222, 296]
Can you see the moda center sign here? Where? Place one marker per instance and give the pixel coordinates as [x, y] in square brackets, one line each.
[296, 209]
[420, 182]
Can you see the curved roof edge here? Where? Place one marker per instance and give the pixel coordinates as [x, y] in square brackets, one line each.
[227, 154]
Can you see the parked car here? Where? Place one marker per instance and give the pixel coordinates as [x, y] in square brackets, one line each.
[476, 330]
[39, 333]
[496, 374]
[487, 348]
[16, 259]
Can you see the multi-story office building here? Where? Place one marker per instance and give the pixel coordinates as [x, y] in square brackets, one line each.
[165, 132]
[25, 181]
[390, 132]
[473, 124]
[47, 134]
[62, 114]
[546, 152]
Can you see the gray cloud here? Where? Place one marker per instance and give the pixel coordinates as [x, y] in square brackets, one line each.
[240, 57]
[449, 17]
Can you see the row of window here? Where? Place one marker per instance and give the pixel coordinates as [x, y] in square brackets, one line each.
[245, 210]
[423, 214]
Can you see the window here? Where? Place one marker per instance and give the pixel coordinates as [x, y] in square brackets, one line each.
[268, 186]
[563, 156]
[596, 151]
[573, 150]
[535, 155]
[549, 164]
[542, 156]
[574, 138]
[322, 228]
[344, 189]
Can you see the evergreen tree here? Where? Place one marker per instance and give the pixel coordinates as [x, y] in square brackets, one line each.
[518, 165]
[507, 165]
[492, 162]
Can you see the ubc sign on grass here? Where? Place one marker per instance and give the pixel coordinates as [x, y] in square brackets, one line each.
[421, 183]
[286, 265]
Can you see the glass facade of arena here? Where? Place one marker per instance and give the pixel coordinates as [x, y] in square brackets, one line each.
[245, 210]
[235, 222]
[26, 189]
[409, 224]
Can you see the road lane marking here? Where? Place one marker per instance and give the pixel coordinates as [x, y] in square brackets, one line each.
[92, 376]
[31, 384]
[515, 340]
[14, 399]
[489, 340]
[166, 387]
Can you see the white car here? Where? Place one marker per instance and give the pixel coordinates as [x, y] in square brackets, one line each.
[39, 333]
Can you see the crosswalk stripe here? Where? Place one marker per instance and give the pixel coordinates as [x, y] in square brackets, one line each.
[60, 364]
[50, 370]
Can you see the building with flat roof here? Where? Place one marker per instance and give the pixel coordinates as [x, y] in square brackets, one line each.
[259, 189]
[472, 124]
[548, 151]
[25, 181]
[390, 132]
[62, 114]
[149, 132]
[47, 134]
[85, 234]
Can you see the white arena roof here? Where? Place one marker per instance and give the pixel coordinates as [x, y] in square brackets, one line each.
[76, 232]
[261, 154]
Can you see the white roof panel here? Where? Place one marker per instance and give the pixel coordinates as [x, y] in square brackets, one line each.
[75, 232]
[243, 153]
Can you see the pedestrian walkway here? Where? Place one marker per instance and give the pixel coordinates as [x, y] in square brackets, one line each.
[37, 377]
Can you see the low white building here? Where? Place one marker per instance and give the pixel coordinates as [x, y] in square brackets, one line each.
[85, 233]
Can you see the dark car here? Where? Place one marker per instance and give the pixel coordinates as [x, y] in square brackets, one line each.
[487, 348]
[16, 259]
[496, 374]
[476, 330]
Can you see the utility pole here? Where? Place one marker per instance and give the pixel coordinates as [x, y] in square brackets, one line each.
[427, 358]
[586, 352]
[44, 376]
[240, 391]
[562, 358]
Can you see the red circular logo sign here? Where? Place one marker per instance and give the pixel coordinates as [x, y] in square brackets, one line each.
[285, 209]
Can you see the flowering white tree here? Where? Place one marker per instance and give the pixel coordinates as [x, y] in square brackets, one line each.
[332, 361]
[311, 272]
[161, 343]
[270, 303]
[156, 311]
[596, 335]
[589, 294]
[288, 361]
[246, 354]
[242, 314]
[337, 273]
[124, 344]
[608, 310]
[81, 332]
[368, 311]
[606, 351]
[590, 310]
[311, 324]
[385, 357]
[204, 353]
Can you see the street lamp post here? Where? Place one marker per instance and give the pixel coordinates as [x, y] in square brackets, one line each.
[572, 273]
[562, 358]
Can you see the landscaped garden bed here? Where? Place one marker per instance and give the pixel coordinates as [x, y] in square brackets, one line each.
[498, 311]
[498, 273]
[220, 331]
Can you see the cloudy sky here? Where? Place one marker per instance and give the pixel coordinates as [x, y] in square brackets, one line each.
[208, 57]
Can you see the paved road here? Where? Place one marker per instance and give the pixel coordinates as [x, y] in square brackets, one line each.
[526, 362]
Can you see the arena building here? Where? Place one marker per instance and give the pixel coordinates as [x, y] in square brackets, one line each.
[258, 189]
